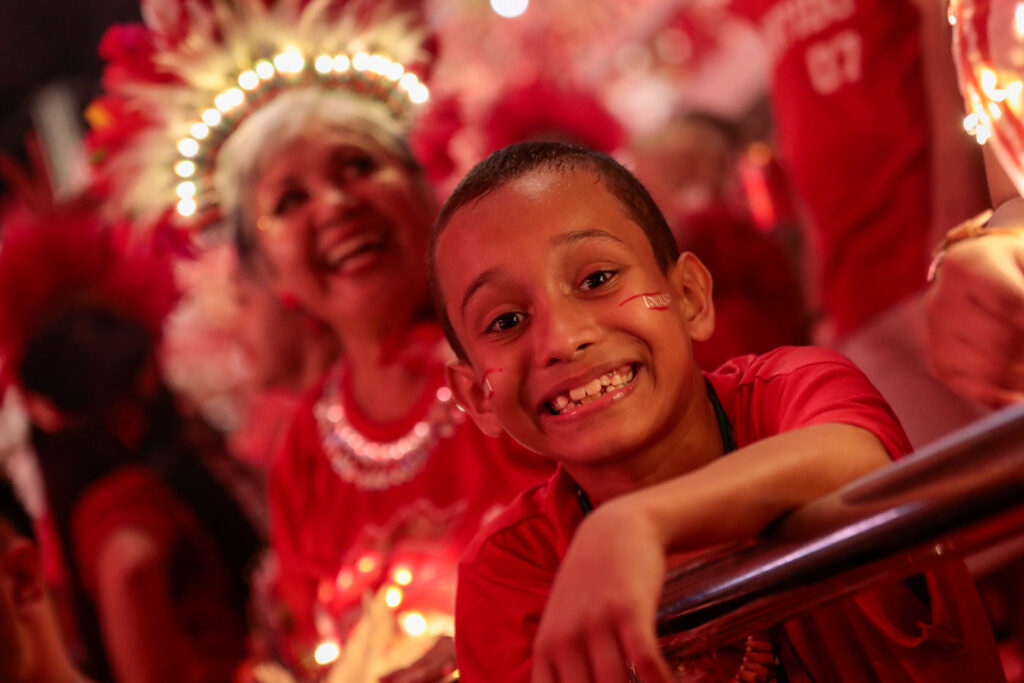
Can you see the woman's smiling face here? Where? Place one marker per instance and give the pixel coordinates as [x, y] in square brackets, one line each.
[556, 296]
[343, 225]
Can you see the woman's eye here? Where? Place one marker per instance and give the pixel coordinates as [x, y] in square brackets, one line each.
[596, 279]
[505, 321]
[289, 200]
[357, 167]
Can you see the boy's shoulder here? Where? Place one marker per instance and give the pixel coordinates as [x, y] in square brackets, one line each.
[799, 386]
[780, 362]
[537, 524]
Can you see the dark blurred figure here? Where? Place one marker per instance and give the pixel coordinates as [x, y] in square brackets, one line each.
[158, 550]
[690, 167]
[31, 649]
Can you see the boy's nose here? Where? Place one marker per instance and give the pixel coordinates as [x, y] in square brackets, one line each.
[565, 330]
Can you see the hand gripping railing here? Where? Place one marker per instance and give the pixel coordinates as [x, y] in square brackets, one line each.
[959, 495]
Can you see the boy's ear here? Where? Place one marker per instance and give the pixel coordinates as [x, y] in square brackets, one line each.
[692, 284]
[472, 396]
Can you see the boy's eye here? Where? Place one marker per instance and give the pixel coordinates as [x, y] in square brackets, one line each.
[505, 321]
[596, 279]
[290, 199]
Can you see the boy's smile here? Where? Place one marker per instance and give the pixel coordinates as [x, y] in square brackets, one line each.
[578, 344]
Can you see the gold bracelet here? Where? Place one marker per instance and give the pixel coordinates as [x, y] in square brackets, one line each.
[969, 229]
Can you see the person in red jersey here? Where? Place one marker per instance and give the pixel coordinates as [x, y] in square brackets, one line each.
[573, 315]
[868, 124]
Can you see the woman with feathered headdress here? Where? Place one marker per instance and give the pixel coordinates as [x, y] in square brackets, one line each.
[286, 124]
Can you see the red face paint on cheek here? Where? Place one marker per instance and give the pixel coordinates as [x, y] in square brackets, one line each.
[487, 382]
[656, 301]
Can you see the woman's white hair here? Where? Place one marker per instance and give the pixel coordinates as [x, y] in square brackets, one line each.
[277, 125]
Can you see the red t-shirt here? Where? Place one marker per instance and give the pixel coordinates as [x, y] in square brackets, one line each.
[335, 539]
[852, 126]
[508, 570]
[133, 498]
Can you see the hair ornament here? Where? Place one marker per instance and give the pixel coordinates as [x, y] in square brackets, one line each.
[69, 257]
[179, 85]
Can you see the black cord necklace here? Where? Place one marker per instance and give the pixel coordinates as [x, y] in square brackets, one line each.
[724, 430]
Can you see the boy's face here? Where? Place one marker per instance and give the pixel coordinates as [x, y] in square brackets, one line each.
[578, 344]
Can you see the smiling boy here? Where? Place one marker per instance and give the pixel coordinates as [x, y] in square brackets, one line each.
[572, 315]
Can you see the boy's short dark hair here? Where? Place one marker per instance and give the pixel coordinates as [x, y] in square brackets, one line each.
[515, 161]
[13, 512]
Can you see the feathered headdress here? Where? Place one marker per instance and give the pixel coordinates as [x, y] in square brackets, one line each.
[70, 258]
[180, 84]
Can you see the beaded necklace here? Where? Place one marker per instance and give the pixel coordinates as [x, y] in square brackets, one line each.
[378, 465]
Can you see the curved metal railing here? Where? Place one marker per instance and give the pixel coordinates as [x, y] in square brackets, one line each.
[959, 495]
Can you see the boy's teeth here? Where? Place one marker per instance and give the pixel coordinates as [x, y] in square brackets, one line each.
[592, 390]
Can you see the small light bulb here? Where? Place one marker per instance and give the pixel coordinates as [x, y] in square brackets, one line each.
[341, 63]
[419, 93]
[211, 117]
[264, 69]
[408, 81]
[326, 652]
[393, 597]
[187, 190]
[402, 575]
[185, 169]
[394, 71]
[378, 64]
[414, 624]
[323, 64]
[188, 147]
[988, 80]
[982, 133]
[187, 207]
[509, 8]
[248, 79]
[222, 102]
[361, 61]
[200, 130]
[290, 61]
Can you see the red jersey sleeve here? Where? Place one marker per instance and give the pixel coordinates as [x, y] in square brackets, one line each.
[504, 581]
[794, 387]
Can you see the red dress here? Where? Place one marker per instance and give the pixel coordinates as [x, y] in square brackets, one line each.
[341, 527]
[852, 125]
[506, 575]
[133, 497]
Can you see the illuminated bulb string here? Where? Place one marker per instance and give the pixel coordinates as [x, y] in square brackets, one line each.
[372, 74]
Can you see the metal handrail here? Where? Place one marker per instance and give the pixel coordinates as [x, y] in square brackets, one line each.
[962, 494]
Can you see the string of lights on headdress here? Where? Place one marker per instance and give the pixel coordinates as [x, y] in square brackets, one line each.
[180, 85]
[988, 46]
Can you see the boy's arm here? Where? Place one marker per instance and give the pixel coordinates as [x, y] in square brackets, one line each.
[602, 607]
